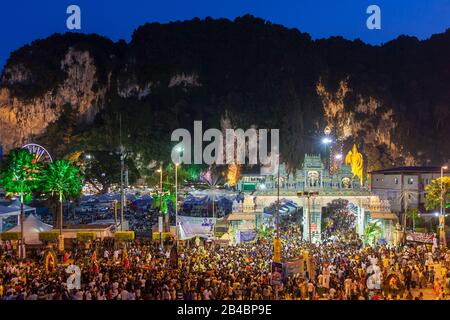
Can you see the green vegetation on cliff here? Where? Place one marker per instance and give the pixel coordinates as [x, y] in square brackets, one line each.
[255, 73]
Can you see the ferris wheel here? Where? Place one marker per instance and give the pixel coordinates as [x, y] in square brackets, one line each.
[39, 152]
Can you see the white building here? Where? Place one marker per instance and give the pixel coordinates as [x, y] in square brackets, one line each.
[390, 183]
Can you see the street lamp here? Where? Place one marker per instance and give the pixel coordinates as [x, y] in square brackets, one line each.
[326, 140]
[160, 217]
[160, 171]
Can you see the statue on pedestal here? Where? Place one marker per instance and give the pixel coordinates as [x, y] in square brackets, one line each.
[398, 234]
[355, 159]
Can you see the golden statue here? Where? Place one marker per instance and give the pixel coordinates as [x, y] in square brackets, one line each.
[355, 159]
[233, 174]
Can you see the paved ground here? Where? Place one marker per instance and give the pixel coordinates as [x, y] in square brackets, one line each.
[428, 293]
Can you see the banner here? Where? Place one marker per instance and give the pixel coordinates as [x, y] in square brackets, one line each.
[293, 267]
[277, 273]
[420, 237]
[277, 250]
[246, 236]
[194, 226]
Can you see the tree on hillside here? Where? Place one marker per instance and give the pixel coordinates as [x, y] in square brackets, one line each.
[103, 167]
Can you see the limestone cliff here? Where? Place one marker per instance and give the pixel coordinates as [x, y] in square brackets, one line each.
[364, 122]
[23, 119]
[392, 100]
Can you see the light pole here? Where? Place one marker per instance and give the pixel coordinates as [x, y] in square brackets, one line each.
[122, 167]
[115, 213]
[277, 241]
[278, 202]
[179, 149]
[442, 216]
[160, 170]
[176, 200]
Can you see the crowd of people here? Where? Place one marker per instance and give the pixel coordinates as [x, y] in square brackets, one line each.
[146, 271]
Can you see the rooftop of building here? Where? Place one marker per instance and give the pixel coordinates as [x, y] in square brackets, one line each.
[87, 226]
[411, 169]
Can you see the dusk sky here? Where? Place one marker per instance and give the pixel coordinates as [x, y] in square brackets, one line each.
[24, 21]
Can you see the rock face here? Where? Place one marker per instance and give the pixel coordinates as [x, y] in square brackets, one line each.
[21, 120]
[130, 89]
[391, 100]
[346, 125]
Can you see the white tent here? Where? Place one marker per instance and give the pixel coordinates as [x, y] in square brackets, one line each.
[31, 228]
[13, 209]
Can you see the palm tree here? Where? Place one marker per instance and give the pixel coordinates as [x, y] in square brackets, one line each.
[406, 197]
[413, 214]
[21, 176]
[63, 179]
[264, 233]
[372, 232]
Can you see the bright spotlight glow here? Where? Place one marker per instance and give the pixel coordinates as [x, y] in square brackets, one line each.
[326, 140]
[436, 214]
[338, 156]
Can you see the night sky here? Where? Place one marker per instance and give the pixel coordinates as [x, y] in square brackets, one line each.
[24, 21]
